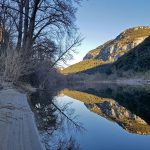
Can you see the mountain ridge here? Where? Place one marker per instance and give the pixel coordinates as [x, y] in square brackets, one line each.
[111, 51]
[125, 41]
[136, 60]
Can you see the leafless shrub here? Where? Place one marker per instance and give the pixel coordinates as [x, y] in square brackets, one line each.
[16, 65]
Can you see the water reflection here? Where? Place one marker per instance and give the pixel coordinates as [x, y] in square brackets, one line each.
[129, 107]
[117, 109]
[54, 120]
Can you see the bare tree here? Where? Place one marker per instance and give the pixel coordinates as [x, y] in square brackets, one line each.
[36, 28]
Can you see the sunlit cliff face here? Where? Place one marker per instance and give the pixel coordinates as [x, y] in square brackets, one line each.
[124, 42]
[111, 110]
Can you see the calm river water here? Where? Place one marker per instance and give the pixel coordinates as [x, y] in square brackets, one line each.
[102, 117]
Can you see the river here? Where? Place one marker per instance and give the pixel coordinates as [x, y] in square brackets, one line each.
[106, 117]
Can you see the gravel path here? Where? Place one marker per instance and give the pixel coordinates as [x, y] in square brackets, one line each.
[17, 124]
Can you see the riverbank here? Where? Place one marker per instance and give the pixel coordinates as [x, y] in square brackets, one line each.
[118, 81]
[17, 123]
[127, 81]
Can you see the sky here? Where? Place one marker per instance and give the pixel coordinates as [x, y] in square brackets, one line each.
[102, 20]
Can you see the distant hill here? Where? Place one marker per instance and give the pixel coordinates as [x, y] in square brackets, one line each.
[83, 65]
[111, 51]
[136, 60]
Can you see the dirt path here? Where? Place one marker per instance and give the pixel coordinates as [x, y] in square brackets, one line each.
[17, 125]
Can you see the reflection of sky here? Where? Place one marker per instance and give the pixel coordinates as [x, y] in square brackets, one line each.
[102, 134]
[102, 20]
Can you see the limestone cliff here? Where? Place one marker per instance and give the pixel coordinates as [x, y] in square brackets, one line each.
[127, 40]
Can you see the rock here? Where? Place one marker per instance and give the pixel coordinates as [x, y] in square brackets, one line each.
[124, 42]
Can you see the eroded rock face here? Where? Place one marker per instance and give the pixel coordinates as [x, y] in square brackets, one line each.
[127, 40]
[116, 50]
[88, 56]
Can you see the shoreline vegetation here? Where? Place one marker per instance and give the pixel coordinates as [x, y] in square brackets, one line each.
[120, 81]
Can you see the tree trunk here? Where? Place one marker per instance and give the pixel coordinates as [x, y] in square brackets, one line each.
[29, 36]
[26, 22]
[20, 25]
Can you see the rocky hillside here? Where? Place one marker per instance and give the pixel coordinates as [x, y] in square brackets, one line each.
[136, 60]
[111, 51]
[95, 52]
[127, 40]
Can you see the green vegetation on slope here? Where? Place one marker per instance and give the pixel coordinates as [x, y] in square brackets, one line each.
[81, 66]
[138, 59]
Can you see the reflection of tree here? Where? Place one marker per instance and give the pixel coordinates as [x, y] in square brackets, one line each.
[67, 114]
[53, 121]
[61, 143]
[68, 145]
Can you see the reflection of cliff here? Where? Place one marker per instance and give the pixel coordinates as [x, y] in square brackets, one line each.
[134, 99]
[111, 110]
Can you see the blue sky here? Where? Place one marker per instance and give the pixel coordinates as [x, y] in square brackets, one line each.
[102, 20]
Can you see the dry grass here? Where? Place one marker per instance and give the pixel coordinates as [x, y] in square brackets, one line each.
[16, 65]
[82, 66]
